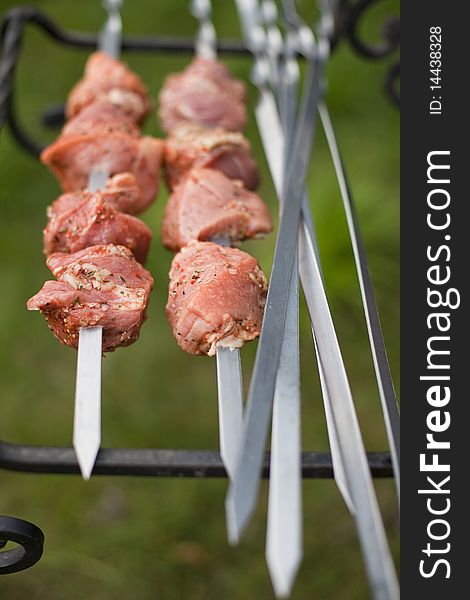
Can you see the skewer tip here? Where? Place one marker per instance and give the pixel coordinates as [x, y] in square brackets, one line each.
[86, 457]
[283, 568]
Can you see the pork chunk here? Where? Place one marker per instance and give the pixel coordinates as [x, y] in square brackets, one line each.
[92, 220]
[107, 79]
[72, 158]
[98, 286]
[216, 298]
[203, 94]
[121, 191]
[208, 204]
[226, 151]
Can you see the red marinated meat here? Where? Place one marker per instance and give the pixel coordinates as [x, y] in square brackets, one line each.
[203, 94]
[98, 286]
[72, 158]
[107, 79]
[92, 220]
[216, 298]
[226, 151]
[208, 204]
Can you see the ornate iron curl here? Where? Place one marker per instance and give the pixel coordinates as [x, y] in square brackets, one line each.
[349, 19]
[30, 540]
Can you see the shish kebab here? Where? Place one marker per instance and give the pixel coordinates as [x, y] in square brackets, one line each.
[207, 164]
[100, 299]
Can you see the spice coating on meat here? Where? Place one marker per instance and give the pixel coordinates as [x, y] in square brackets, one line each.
[108, 79]
[216, 298]
[92, 220]
[203, 94]
[98, 286]
[207, 204]
[226, 151]
[73, 157]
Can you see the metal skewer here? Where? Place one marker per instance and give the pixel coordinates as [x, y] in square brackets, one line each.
[377, 344]
[87, 415]
[284, 526]
[372, 536]
[229, 371]
[300, 39]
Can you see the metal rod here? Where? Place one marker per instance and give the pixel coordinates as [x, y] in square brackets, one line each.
[229, 369]
[300, 37]
[151, 462]
[284, 549]
[374, 329]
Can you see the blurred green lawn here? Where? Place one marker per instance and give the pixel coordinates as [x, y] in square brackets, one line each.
[165, 538]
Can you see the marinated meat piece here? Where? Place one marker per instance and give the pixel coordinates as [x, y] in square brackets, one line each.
[100, 117]
[92, 220]
[72, 158]
[207, 204]
[110, 80]
[216, 298]
[203, 94]
[121, 191]
[226, 151]
[98, 286]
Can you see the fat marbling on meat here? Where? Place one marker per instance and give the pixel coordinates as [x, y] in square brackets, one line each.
[208, 204]
[216, 297]
[82, 219]
[227, 151]
[204, 94]
[110, 80]
[98, 286]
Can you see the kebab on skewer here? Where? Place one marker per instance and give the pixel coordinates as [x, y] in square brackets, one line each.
[205, 165]
[217, 294]
[83, 221]
[100, 298]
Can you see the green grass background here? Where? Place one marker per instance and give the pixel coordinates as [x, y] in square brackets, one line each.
[165, 538]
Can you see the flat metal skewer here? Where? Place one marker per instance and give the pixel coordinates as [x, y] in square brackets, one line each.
[87, 414]
[229, 371]
[300, 39]
[374, 329]
[284, 549]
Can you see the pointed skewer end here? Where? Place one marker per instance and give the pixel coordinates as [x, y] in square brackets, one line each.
[86, 460]
[283, 573]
